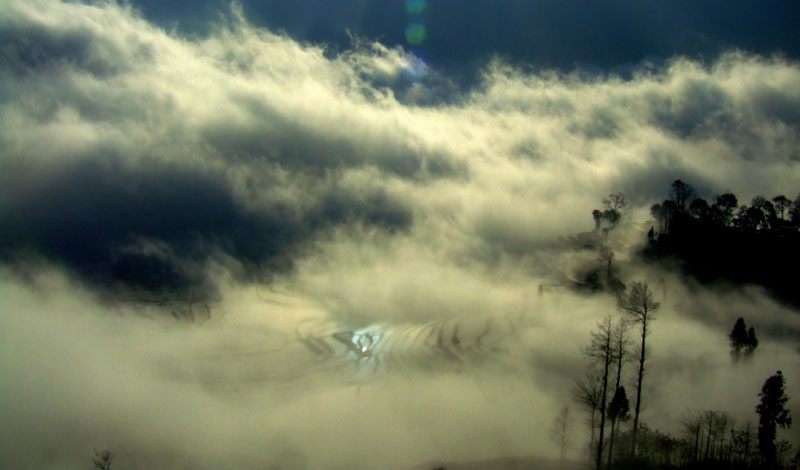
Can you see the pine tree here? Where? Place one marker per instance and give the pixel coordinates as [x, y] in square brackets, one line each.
[738, 338]
[752, 342]
[772, 413]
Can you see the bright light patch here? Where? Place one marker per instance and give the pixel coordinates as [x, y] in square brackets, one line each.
[416, 7]
[414, 68]
[415, 33]
[367, 337]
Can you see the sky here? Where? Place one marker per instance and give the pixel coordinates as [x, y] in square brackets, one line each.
[195, 203]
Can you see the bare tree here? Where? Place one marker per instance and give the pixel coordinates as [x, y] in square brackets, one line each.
[692, 424]
[639, 306]
[618, 409]
[714, 423]
[615, 202]
[102, 460]
[601, 352]
[559, 433]
[620, 339]
[587, 393]
[742, 442]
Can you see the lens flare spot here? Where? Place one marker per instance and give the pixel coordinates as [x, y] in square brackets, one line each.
[414, 67]
[416, 7]
[415, 33]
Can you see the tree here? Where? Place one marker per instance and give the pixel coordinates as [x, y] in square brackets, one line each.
[715, 424]
[615, 202]
[794, 211]
[772, 413]
[752, 342]
[587, 393]
[559, 432]
[102, 460]
[724, 205]
[742, 444]
[749, 218]
[618, 410]
[782, 448]
[738, 337]
[682, 194]
[601, 352]
[692, 424]
[657, 213]
[781, 204]
[620, 338]
[699, 208]
[768, 215]
[605, 220]
[640, 307]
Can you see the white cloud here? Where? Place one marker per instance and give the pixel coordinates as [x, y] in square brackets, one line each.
[389, 211]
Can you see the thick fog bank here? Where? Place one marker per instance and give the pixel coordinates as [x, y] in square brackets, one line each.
[237, 250]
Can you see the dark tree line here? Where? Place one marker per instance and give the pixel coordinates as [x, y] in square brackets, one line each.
[721, 240]
[684, 206]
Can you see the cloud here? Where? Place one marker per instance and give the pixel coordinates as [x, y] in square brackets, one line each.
[553, 34]
[287, 193]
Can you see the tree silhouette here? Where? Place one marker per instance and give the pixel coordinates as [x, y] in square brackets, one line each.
[742, 443]
[658, 214]
[640, 306]
[618, 410]
[559, 432]
[620, 338]
[682, 194]
[102, 460]
[781, 204]
[587, 392]
[742, 339]
[714, 423]
[794, 211]
[772, 413]
[699, 208]
[692, 424]
[615, 202]
[601, 352]
[738, 337]
[769, 216]
[722, 210]
[747, 244]
[782, 448]
[752, 342]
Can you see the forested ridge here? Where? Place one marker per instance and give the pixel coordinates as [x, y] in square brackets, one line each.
[723, 242]
[718, 244]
